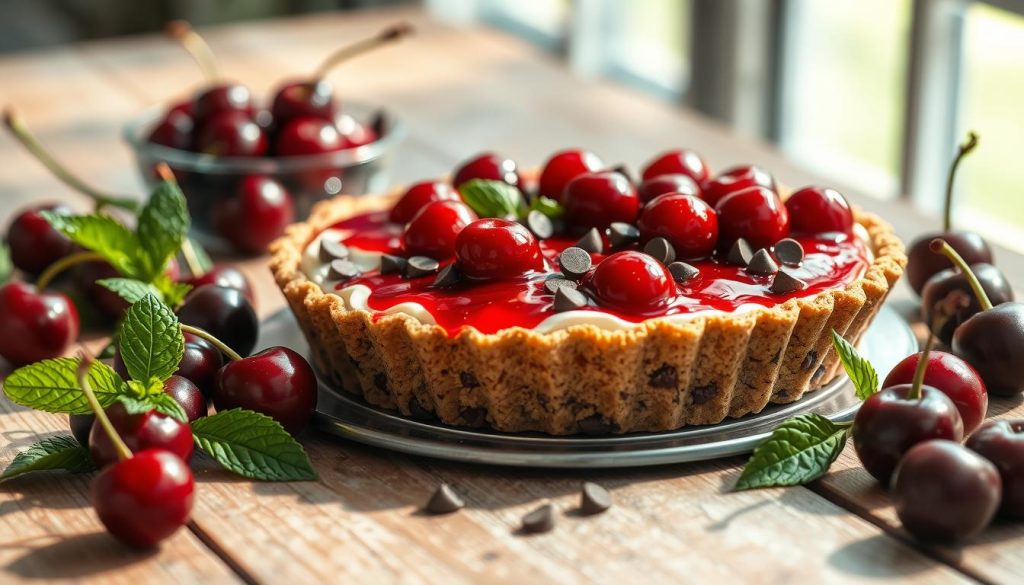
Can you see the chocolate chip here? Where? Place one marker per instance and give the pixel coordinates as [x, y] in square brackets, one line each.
[809, 360]
[818, 374]
[331, 250]
[575, 262]
[468, 380]
[418, 411]
[702, 394]
[473, 416]
[539, 224]
[622, 234]
[591, 242]
[762, 264]
[342, 270]
[553, 284]
[594, 499]
[569, 299]
[392, 264]
[682, 272]
[540, 520]
[740, 253]
[661, 250]
[594, 425]
[449, 276]
[784, 283]
[380, 380]
[789, 252]
[419, 266]
[444, 501]
[664, 377]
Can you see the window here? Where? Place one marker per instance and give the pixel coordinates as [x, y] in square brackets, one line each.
[540, 21]
[651, 44]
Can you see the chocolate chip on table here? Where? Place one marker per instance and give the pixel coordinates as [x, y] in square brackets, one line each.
[789, 252]
[740, 253]
[331, 250]
[569, 299]
[682, 272]
[784, 283]
[540, 520]
[594, 499]
[661, 250]
[762, 264]
[390, 264]
[342, 270]
[540, 224]
[420, 266]
[553, 284]
[591, 242]
[622, 234]
[444, 501]
[575, 262]
[448, 276]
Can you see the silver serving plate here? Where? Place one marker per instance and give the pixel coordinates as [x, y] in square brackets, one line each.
[887, 341]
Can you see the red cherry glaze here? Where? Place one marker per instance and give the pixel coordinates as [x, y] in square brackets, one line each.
[35, 325]
[308, 135]
[418, 196]
[735, 180]
[756, 214]
[563, 167]
[1002, 443]
[488, 166]
[819, 210]
[34, 244]
[632, 282]
[598, 200]
[432, 231]
[221, 99]
[305, 98]
[664, 184]
[174, 130]
[231, 134]
[682, 161]
[497, 248]
[146, 430]
[277, 382]
[953, 377]
[256, 215]
[688, 223]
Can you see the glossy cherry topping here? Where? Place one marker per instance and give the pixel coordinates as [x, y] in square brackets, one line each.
[819, 210]
[681, 161]
[755, 214]
[418, 195]
[688, 223]
[596, 200]
[662, 184]
[563, 167]
[488, 166]
[632, 282]
[497, 248]
[734, 180]
[432, 231]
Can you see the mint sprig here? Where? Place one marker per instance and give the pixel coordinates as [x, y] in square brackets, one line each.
[548, 207]
[253, 446]
[52, 386]
[492, 198]
[860, 370]
[150, 340]
[60, 452]
[160, 402]
[129, 289]
[798, 451]
[163, 225]
[103, 235]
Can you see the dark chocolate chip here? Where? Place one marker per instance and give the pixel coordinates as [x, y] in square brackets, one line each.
[473, 416]
[540, 520]
[702, 394]
[331, 250]
[420, 266]
[740, 253]
[784, 283]
[539, 224]
[661, 250]
[468, 380]
[418, 411]
[664, 377]
[342, 270]
[444, 501]
[622, 234]
[789, 252]
[392, 264]
[818, 374]
[591, 242]
[380, 380]
[594, 499]
[682, 272]
[809, 360]
[594, 425]
[762, 264]
[575, 262]
[553, 284]
[449, 276]
[569, 299]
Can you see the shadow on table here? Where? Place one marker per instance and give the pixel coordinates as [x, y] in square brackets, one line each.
[74, 557]
[877, 557]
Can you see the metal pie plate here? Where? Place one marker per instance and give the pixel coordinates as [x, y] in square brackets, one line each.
[887, 341]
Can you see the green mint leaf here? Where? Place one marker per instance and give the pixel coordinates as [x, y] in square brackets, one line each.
[163, 225]
[160, 402]
[798, 451]
[548, 207]
[6, 266]
[60, 452]
[491, 198]
[128, 289]
[105, 236]
[52, 386]
[150, 340]
[253, 446]
[860, 370]
[172, 292]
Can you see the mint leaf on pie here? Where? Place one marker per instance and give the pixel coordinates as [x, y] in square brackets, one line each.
[798, 451]
[491, 198]
[860, 370]
[52, 386]
[150, 340]
[253, 446]
[548, 207]
[101, 234]
[160, 402]
[60, 452]
[163, 225]
[129, 289]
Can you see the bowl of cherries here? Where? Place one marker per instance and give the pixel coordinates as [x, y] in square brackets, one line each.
[249, 168]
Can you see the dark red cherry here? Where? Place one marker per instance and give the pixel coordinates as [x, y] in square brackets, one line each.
[224, 275]
[563, 167]
[228, 98]
[256, 215]
[1002, 443]
[756, 214]
[922, 264]
[993, 342]
[953, 377]
[35, 325]
[187, 395]
[145, 430]
[308, 135]
[688, 223]
[488, 166]
[305, 98]
[819, 210]
[355, 132]
[432, 231]
[664, 184]
[174, 130]
[417, 196]
[109, 303]
[891, 421]
[81, 426]
[200, 364]
[497, 248]
[277, 382]
[681, 161]
[596, 200]
[145, 499]
[735, 180]
[631, 282]
[223, 312]
[946, 281]
[232, 134]
[33, 243]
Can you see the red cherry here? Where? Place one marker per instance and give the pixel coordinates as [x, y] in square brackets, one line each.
[682, 161]
[1002, 443]
[598, 200]
[231, 134]
[819, 210]
[174, 130]
[277, 382]
[306, 98]
[488, 166]
[734, 180]
[256, 215]
[419, 195]
[308, 135]
[35, 325]
[663, 184]
[688, 223]
[432, 231]
[145, 430]
[226, 276]
[756, 214]
[922, 263]
[631, 282]
[953, 377]
[145, 499]
[563, 167]
[354, 132]
[187, 395]
[109, 303]
[222, 99]
[497, 248]
[33, 242]
[223, 312]
[200, 364]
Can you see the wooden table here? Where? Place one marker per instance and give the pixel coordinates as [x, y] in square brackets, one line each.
[460, 91]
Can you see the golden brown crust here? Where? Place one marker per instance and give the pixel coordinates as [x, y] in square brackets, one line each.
[657, 376]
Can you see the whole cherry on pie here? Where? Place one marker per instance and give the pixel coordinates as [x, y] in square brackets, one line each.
[490, 167]
[664, 184]
[497, 248]
[631, 282]
[755, 214]
[819, 210]
[688, 223]
[432, 231]
[596, 200]
[417, 196]
[681, 161]
[734, 180]
[563, 167]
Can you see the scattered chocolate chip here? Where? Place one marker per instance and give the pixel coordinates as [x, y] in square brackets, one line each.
[540, 520]
[622, 234]
[661, 250]
[448, 276]
[594, 499]
[539, 224]
[789, 252]
[420, 266]
[682, 272]
[342, 270]
[331, 250]
[740, 253]
[784, 283]
[569, 299]
[664, 377]
[444, 501]
[392, 264]
[553, 284]
[591, 242]
[575, 262]
[762, 264]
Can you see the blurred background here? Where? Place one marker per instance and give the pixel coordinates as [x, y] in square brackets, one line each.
[875, 93]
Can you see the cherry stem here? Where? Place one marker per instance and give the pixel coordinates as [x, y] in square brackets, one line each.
[940, 246]
[123, 452]
[232, 354]
[20, 131]
[188, 252]
[195, 45]
[389, 34]
[922, 366]
[965, 148]
[53, 270]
